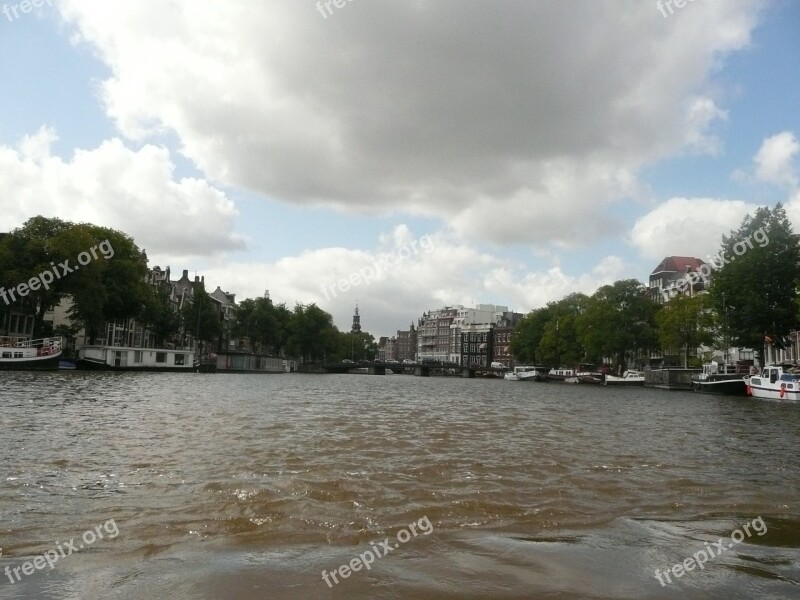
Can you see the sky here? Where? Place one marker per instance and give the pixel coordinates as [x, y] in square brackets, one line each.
[402, 155]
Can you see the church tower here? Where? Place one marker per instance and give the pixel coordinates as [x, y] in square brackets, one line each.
[356, 321]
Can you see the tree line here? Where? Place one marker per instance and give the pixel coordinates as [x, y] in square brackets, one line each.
[117, 289]
[753, 296]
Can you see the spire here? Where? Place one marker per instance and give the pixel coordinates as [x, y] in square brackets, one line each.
[356, 321]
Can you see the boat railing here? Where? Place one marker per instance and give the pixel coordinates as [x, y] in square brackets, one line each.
[43, 346]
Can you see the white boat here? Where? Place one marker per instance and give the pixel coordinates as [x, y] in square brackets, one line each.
[22, 354]
[115, 358]
[526, 373]
[629, 377]
[560, 374]
[776, 382]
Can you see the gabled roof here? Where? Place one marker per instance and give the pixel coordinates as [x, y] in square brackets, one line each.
[678, 264]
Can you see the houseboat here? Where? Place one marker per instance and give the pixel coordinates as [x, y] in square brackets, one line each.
[115, 358]
[22, 354]
[776, 382]
[241, 362]
[629, 377]
[721, 379]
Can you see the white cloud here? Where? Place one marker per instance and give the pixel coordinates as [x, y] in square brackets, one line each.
[519, 124]
[775, 160]
[413, 285]
[117, 187]
[687, 227]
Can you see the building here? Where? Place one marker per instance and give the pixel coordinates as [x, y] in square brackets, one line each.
[356, 327]
[678, 275]
[477, 340]
[406, 345]
[439, 331]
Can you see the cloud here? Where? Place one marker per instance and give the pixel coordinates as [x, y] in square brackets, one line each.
[407, 287]
[519, 125]
[117, 187]
[687, 227]
[775, 160]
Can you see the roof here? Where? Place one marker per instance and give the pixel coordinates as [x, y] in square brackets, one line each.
[678, 264]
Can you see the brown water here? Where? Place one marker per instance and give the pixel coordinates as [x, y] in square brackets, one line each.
[226, 486]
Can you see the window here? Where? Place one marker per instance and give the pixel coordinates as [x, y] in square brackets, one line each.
[137, 356]
[161, 357]
[6, 354]
[179, 359]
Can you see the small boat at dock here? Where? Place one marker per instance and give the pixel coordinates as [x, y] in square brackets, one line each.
[526, 373]
[721, 379]
[775, 382]
[629, 377]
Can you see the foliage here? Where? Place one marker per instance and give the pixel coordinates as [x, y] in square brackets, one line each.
[759, 281]
[200, 315]
[618, 322]
[684, 324]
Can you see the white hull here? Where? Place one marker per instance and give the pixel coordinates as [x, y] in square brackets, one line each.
[774, 384]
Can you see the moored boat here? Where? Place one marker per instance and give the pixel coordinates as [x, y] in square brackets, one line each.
[526, 373]
[22, 354]
[775, 382]
[115, 358]
[720, 379]
[560, 374]
[629, 377]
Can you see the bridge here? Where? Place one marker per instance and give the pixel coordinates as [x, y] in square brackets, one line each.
[419, 369]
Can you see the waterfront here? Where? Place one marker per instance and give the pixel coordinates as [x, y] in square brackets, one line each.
[226, 486]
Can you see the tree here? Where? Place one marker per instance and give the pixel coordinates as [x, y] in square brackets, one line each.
[758, 275]
[528, 334]
[560, 343]
[200, 316]
[312, 335]
[100, 269]
[685, 323]
[618, 322]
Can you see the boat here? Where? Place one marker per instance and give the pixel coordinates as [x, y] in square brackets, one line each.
[526, 373]
[560, 374]
[721, 379]
[629, 377]
[242, 362]
[22, 354]
[582, 373]
[117, 358]
[775, 382]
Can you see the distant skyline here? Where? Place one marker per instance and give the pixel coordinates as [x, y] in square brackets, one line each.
[539, 148]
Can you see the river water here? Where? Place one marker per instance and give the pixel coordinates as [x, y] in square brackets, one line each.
[247, 486]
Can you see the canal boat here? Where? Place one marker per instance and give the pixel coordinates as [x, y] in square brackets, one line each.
[526, 373]
[116, 358]
[22, 354]
[629, 377]
[775, 382]
[721, 379]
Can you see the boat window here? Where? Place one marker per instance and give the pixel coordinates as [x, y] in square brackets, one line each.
[161, 357]
[6, 354]
[773, 375]
[179, 358]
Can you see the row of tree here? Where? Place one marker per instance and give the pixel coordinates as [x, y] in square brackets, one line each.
[753, 294]
[115, 289]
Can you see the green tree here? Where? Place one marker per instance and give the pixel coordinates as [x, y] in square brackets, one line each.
[618, 323]
[312, 335]
[109, 286]
[200, 316]
[685, 323]
[758, 278]
[528, 334]
[158, 314]
[560, 342]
